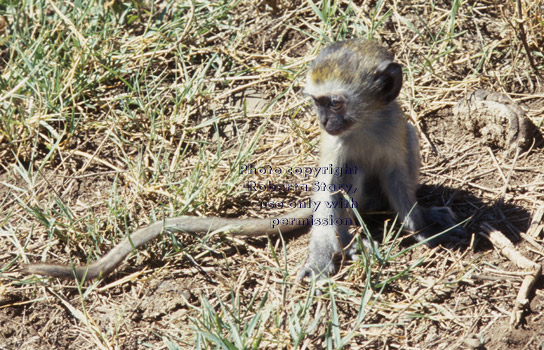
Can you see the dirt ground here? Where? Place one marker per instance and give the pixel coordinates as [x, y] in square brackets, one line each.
[459, 297]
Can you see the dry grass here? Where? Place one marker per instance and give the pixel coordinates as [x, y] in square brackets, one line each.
[117, 114]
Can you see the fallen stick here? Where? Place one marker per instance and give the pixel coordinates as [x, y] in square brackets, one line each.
[507, 249]
[536, 227]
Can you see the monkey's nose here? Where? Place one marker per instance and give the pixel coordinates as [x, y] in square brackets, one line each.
[335, 125]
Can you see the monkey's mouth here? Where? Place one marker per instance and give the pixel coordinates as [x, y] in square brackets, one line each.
[336, 128]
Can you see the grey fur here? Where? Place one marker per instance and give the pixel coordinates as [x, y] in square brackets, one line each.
[371, 134]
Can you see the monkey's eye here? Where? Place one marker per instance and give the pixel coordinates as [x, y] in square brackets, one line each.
[336, 102]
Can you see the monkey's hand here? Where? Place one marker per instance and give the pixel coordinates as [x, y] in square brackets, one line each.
[318, 267]
[441, 219]
[325, 259]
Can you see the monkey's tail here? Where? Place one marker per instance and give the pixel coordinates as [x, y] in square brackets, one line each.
[235, 226]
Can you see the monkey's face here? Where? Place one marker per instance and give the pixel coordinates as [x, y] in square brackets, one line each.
[331, 111]
[352, 83]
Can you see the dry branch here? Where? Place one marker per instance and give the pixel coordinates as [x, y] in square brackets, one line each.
[536, 223]
[507, 249]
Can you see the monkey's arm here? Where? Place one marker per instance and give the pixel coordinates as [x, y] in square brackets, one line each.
[329, 239]
[110, 261]
[400, 186]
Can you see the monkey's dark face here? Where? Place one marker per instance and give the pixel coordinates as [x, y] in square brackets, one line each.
[351, 83]
[331, 111]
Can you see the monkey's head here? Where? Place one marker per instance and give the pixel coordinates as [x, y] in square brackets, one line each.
[350, 82]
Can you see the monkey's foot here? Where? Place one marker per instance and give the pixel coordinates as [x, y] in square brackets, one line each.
[441, 219]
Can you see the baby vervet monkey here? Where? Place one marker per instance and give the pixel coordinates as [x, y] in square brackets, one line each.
[354, 85]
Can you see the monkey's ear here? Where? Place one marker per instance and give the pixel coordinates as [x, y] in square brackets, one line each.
[389, 77]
